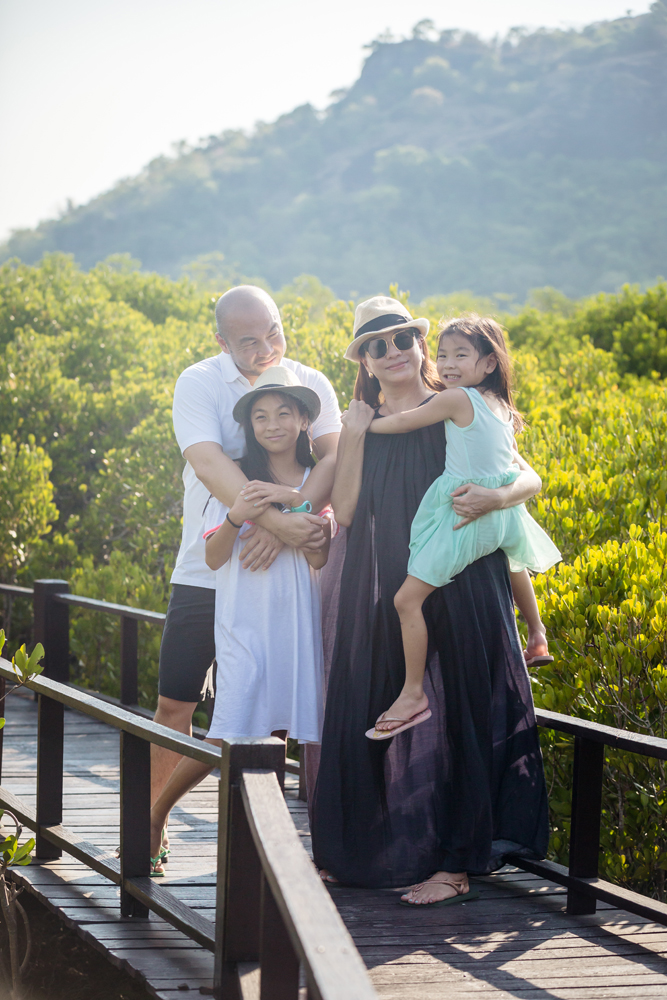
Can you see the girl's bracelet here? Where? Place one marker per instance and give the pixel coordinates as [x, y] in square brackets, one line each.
[237, 526]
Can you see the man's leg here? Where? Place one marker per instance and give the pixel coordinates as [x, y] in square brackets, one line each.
[186, 653]
[176, 715]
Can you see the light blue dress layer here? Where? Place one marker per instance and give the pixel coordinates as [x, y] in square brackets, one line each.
[481, 453]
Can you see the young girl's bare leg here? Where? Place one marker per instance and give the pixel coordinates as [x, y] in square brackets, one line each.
[186, 775]
[408, 603]
[524, 596]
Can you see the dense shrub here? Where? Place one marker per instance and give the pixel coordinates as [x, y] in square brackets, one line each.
[91, 485]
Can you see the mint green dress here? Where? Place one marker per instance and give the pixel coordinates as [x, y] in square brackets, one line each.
[481, 453]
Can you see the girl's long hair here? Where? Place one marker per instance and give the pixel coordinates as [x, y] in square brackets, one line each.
[256, 464]
[487, 337]
[368, 389]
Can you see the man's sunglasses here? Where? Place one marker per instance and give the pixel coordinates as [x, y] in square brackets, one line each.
[402, 341]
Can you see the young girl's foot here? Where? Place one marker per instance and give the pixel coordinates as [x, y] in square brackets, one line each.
[441, 886]
[537, 648]
[404, 708]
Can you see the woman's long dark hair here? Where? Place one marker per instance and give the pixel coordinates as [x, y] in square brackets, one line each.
[486, 336]
[256, 464]
[368, 389]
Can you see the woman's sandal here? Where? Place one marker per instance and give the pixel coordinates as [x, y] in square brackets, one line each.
[460, 897]
[539, 661]
[386, 734]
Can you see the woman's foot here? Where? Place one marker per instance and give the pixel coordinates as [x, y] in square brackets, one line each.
[437, 888]
[404, 708]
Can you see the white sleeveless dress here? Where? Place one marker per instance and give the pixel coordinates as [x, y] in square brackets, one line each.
[268, 644]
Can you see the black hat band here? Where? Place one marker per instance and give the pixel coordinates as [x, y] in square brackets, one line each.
[381, 323]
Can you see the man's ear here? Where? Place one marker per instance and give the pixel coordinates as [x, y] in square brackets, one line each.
[222, 343]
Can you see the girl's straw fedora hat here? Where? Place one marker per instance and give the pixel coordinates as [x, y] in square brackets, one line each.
[377, 316]
[278, 379]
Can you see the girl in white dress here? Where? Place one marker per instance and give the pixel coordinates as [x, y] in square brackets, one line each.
[268, 639]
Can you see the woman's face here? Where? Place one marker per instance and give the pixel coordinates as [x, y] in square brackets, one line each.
[396, 367]
[277, 422]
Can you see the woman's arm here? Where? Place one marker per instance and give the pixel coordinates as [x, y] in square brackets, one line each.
[319, 559]
[450, 404]
[471, 501]
[350, 460]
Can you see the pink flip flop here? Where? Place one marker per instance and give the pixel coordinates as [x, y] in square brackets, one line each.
[386, 734]
[539, 661]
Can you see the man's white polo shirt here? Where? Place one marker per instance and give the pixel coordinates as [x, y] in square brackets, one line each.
[204, 398]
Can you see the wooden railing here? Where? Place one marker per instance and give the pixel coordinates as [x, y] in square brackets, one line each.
[51, 602]
[271, 906]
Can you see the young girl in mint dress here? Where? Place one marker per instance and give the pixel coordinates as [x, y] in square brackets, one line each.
[480, 422]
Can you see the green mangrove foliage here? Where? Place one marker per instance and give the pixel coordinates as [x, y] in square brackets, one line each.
[91, 485]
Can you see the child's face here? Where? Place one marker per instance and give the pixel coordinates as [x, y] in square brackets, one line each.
[458, 362]
[277, 423]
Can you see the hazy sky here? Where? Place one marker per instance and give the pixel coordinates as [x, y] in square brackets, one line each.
[91, 90]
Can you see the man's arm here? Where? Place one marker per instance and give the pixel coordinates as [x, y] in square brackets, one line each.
[471, 501]
[223, 478]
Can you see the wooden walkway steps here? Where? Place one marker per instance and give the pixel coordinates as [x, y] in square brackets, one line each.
[516, 943]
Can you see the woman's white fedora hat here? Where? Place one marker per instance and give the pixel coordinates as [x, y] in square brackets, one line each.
[278, 378]
[377, 316]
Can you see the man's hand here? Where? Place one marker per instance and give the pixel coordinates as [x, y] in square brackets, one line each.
[471, 501]
[256, 491]
[260, 549]
[302, 531]
[359, 417]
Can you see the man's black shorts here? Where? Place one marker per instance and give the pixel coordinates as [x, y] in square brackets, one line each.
[188, 642]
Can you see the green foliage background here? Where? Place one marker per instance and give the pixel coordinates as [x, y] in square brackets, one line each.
[91, 484]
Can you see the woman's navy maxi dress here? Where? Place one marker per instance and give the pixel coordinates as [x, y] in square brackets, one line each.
[466, 787]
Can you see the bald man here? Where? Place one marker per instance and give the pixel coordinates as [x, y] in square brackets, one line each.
[250, 335]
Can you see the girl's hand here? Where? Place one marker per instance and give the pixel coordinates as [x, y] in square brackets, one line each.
[256, 494]
[242, 511]
[359, 417]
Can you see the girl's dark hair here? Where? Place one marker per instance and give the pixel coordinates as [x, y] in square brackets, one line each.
[256, 464]
[486, 336]
[368, 389]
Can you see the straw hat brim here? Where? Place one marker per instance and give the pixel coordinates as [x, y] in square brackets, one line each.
[352, 352]
[307, 396]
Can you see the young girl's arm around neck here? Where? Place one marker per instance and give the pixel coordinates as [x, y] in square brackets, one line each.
[450, 404]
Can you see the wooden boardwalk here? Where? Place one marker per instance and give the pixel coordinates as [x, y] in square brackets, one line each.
[516, 942]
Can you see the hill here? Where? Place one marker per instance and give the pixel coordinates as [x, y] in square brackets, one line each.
[537, 159]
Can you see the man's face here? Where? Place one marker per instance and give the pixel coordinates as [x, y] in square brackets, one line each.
[254, 338]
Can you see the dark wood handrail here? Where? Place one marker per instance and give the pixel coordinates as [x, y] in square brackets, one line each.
[620, 739]
[14, 590]
[317, 934]
[124, 610]
[121, 719]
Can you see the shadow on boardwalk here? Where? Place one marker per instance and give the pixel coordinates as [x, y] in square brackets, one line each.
[515, 942]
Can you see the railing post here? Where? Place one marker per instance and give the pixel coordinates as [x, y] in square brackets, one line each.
[585, 819]
[50, 738]
[279, 972]
[52, 628]
[239, 887]
[135, 815]
[129, 644]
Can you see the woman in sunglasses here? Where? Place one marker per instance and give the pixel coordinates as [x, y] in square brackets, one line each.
[451, 797]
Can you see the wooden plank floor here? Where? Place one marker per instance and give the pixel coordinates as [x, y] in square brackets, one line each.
[515, 942]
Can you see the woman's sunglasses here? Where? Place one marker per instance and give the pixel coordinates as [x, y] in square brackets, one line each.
[402, 341]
